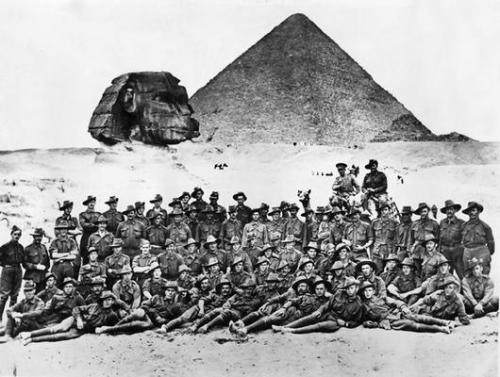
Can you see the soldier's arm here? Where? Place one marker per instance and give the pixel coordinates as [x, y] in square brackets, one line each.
[467, 292]
[146, 286]
[265, 235]
[382, 292]
[355, 185]
[137, 297]
[83, 222]
[490, 241]
[244, 237]
[488, 291]
[36, 312]
[382, 187]
[393, 289]
[462, 316]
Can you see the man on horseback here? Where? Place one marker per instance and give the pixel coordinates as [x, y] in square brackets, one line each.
[374, 188]
[344, 188]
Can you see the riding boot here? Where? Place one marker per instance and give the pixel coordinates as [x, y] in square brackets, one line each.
[130, 327]
[252, 317]
[304, 321]
[173, 324]
[131, 317]
[260, 324]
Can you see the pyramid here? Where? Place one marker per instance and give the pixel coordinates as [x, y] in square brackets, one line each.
[297, 85]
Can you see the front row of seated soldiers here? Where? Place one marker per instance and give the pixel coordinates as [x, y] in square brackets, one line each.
[314, 298]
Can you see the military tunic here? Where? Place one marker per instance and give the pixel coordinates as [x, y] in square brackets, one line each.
[113, 218]
[36, 254]
[101, 242]
[178, 233]
[478, 242]
[254, 231]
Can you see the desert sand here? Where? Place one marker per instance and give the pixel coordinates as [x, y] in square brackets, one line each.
[32, 181]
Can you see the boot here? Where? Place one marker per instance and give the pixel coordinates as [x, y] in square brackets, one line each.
[173, 324]
[71, 334]
[260, 324]
[217, 321]
[252, 317]
[41, 332]
[3, 302]
[301, 322]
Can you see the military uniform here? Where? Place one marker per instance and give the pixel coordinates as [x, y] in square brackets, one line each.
[345, 186]
[142, 260]
[63, 268]
[207, 228]
[194, 263]
[68, 219]
[432, 284]
[179, 233]
[31, 311]
[113, 218]
[341, 306]
[310, 232]
[450, 239]
[384, 238]
[222, 256]
[156, 234]
[323, 232]
[169, 263]
[94, 316]
[358, 234]
[88, 273]
[295, 227]
[36, 254]
[61, 306]
[440, 306]
[378, 284]
[254, 231]
[478, 243]
[479, 289]
[292, 257]
[390, 275]
[151, 214]
[88, 222]
[407, 283]
[130, 231]
[11, 258]
[114, 263]
[243, 214]
[238, 278]
[230, 228]
[129, 292]
[47, 293]
[101, 242]
[421, 229]
[155, 286]
[160, 310]
[337, 230]
[430, 263]
[403, 239]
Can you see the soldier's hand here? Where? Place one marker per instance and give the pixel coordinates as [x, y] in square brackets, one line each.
[316, 314]
[40, 267]
[17, 320]
[406, 310]
[478, 309]
[79, 324]
[341, 322]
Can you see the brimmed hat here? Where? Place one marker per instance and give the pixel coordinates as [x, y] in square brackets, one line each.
[365, 284]
[304, 262]
[50, 274]
[392, 257]
[475, 262]
[197, 190]
[341, 246]
[420, 207]
[183, 268]
[130, 208]
[191, 241]
[283, 263]
[29, 285]
[354, 211]
[274, 210]
[192, 208]
[364, 261]
[219, 285]
[312, 245]
[234, 240]
[307, 211]
[320, 210]
[210, 239]
[92, 249]
[98, 280]
[89, 199]
[236, 261]
[174, 201]
[184, 194]
[199, 280]
[66, 204]
[441, 261]
[138, 205]
[254, 210]
[208, 209]
[472, 205]
[301, 279]
[450, 204]
[172, 284]
[112, 199]
[273, 277]
[214, 195]
[266, 247]
[261, 260]
[231, 209]
[341, 165]
[38, 232]
[320, 280]
[336, 209]
[371, 163]
[107, 294]
[68, 280]
[293, 206]
[288, 239]
[240, 193]
[157, 198]
[63, 224]
[408, 262]
[168, 242]
[429, 237]
[350, 281]
[337, 266]
[264, 206]
[177, 212]
[449, 280]
[383, 205]
[212, 262]
[406, 210]
[125, 270]
[102, 219]
[117, 242]
[248, 283]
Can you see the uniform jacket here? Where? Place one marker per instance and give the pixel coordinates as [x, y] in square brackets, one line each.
[376, 181]
[11, 254]
[129, 292]
[340, 305]
[114, 218]
[440, 306]
[384, 236]
[478, 233]
[451, 231]
[179, 233]
[101, 242]
[35, 254]
[254, 231]
[478, 289]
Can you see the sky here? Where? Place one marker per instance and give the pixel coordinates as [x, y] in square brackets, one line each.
[439, 58]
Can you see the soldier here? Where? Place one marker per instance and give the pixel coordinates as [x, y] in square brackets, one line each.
[156, 233]
[344, 309]
[170, 261]
[212, 250]
[268, 251]
[450, 237]
[430, 258]
[366, 272]
[391, 270]
[209, 226]
[154, 285]
[254, 230]
[64, 254]
[290, 254]
[338, 225]
[101, 239]
[185, 281]
[285, 276]
[358, 236]
[275, 226]
[67, 208]
[478, 291]
[237, 251]
[324, 226]
[36, 260]
[238, 275]
[139, 213]
[192, 220]
[344, 187]
[50, 288]
[404, 233]
[425, 226]
[144, 263]
[214, 273]
[112, 216]
[230, 228]
[191, 257]
[88, 222]
[178, 231]
[130, 231]
[126, 289]
[405, 282]
[96, 288]
[219, 210]
[184, 199]
[25, 315]
[338, 276]
[477, 238]
[306, 267]
[374, 188]
[293, 225]
[198, 201]
[61, 305]
[343, 252]
[261, 271]
[243, 213]
[157, 209]
[89, 272]
[444, 303]
[311, 227]
[115, 262]
[384, 235]
[264, 213]
[326, 262]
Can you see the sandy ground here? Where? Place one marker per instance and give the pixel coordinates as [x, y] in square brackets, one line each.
[34, 180]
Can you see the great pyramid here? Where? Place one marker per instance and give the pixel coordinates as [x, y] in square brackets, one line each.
[297, 85]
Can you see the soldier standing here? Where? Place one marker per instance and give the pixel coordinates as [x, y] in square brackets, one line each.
[101, 239]
[403, 233]
[67, 208]
[88, 222]
[192, 220]
[422, 228]
[112, 215]
[230, 228]
[130, 231]
[384, 236]
[338, 225]
[450, 237]
[178, 231]
[11, 258]
[293, 226]
[139, 213]
[254, 230]
[358, 235]
[36, 260]
[477, 238]
[219, 210]
[115, 262]
[275, 226]
[64, 254]
[157, 201]
[198, 201]
[156, 233]
[209, 226]
[243, 212]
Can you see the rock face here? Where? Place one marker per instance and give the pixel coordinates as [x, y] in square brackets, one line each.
[297, 85]
[147, 106]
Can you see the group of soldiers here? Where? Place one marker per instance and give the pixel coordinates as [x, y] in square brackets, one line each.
[200, 266]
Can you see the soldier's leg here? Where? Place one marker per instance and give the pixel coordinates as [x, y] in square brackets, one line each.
[17, 282]
[378, 260]
[221, 320]
[409, 325]
[410, 300]
[428, 320]
[62, 326]
[324, 326]
[187, 316]
[70, 334]
[6, 286]
[491, 305]
[469, 308]
[206, 318]
[252, 317]
[130, 327]
[136, 315]
[301, 322]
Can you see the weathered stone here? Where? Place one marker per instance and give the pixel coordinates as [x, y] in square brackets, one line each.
[147, 106]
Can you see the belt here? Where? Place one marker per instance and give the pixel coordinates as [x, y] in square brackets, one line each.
[12, 265]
